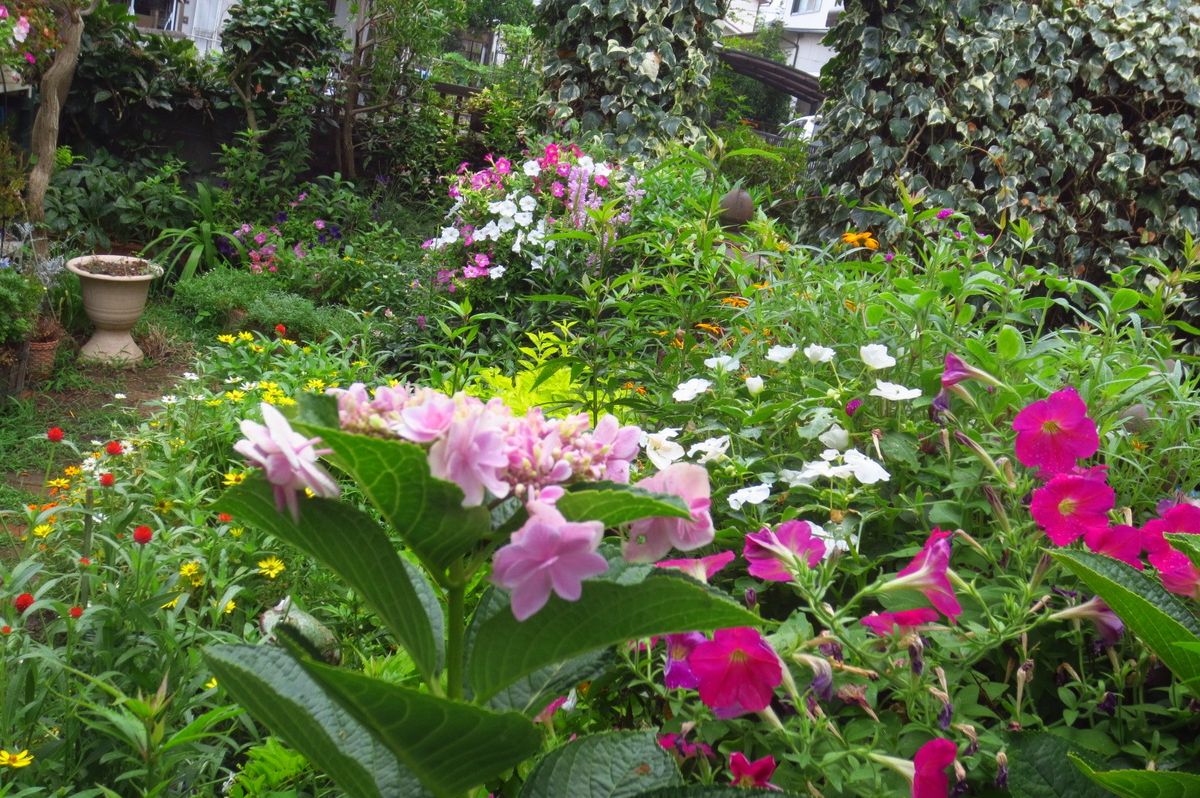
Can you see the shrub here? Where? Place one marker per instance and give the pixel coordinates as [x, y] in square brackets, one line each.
[733, 97]
[1079, 117]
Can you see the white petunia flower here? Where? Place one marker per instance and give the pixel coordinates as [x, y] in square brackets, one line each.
[723, 363]
[710, 449]
[754, 385]
[865, 470]
[835, 438]
[854, 464]
[893, 391]
[523, 218]
[449, 235]
[659, 447]
[190, 376]
[818, 354]
[780, 354]
[527, 203]
[755, 494]
[876, 356]
[602, 169]
[503, 208]
[585, 163]
[531, 168]
[505, 223]
[834, 541]
[496, 272]
[489, 232]
[689, 390]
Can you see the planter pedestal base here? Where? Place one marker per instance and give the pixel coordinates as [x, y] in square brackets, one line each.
[112, 347]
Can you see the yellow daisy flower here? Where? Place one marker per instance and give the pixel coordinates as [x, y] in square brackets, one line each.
[271, 567]
[227, 339]
[42, 530]
[18, 760]
[234, 478]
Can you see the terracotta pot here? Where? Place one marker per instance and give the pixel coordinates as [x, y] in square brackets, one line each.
[114, 303]
[41, 359]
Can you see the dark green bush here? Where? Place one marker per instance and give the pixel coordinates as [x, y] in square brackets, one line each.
[19, 298]
[733, 97]
[1079, 116]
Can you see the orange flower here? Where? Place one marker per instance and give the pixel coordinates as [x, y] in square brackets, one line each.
[712, 329]
[735, 301]
[863, 239]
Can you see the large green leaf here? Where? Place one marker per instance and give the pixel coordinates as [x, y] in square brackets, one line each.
[358, 550]
[606, 614]
[1156, 616]
[701, 791]
[449, 745]
[426, 512]
[1188, 544]
[611, 765]
[615, 504]
[1143, 783]
[1036, 768]
[276, 690]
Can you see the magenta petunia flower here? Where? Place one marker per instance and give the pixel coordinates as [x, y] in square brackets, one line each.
[651, 538]
[884, 623]
[957, 370]
[1175, 569]
[1108, 625]
[548, 554]
[1054, 432]
[928, 573]
[701, 569]
[1119, 541]
[775, 555]
[677, 673]
[288, 459]
[1071, 505]
[744, 773]
[930, 779]
[852, 406]
[738, 671]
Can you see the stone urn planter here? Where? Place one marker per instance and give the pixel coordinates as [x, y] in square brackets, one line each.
[114, 295]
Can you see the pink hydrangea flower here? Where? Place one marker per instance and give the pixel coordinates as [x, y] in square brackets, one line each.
[471, 454]
[651, 538]
[1070, 505]
[884, 623]
[1055, 432]
[288, 459]
[928, 573]
[701, 569]
[738, 671]
[775, 555]
[427, 418]
[619, 446]
[930, 779]
[744, 773]
[548, 554]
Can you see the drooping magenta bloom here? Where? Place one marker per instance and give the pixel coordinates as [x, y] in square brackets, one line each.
[744, 773]
[775, 555]
[884, 623]
[1109, 626]
[930, 779]
[928, 573]
[651, 538]
[548, 554]
[1071, 505]
[1118, 541]
[700, 569]
[1178, 573]
[957, 370]
[288, 459]
[677, 673]
[1055, 432]
[738, 671]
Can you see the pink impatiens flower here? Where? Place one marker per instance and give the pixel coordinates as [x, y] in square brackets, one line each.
[928, 573]
[738, 671]
[884, 623]
[775, 555]
[744, 773]
[1071, 505]
[1055, 432]
[287, 458]
[701, 569]
[651, 538]
[548, 554]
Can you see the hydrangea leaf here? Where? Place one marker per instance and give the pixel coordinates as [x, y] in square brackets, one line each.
[606, 614]
[358, 550]
[611, 765]
[1142, 783]
[614, 504]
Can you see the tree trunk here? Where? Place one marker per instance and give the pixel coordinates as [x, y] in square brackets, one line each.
[345, 144]
[56, 83]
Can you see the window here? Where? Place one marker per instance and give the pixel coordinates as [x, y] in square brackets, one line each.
[805, 6]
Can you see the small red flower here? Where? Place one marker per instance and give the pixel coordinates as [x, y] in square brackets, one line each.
[23, 602]
[224, 518]
[85, 561]
[142, 534]
[114, 448]
[54, 434]
[279, 328]
[107, 480]
[5, 629]
[76, 612]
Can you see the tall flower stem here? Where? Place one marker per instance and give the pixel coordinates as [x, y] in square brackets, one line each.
[456, 620]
